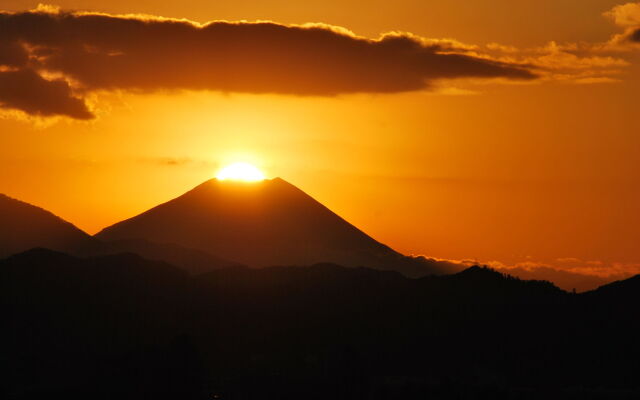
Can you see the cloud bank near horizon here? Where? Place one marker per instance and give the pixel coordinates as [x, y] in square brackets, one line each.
[567, 273]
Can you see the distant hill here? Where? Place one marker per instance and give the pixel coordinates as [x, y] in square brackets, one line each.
[191, 260]
[124, 327]
[264, 224]
[24, 226]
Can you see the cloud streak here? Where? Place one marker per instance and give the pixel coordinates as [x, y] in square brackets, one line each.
[571, 274]
[66, 55]
[625, 15]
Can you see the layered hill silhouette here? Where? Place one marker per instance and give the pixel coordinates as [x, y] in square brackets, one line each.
[24, 226]
[264, 224]
[216, 225]
[192, 260]
[120, 326]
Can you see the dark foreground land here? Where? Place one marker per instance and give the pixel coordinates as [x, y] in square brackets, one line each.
[122, 327]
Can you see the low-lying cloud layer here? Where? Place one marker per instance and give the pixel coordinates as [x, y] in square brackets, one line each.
[50, 60]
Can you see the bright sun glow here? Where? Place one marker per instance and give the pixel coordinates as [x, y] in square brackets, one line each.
[240, 172]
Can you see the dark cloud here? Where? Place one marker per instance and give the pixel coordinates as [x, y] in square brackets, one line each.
[104, 52]
[635, 36]
[27, 91]
[12, 54]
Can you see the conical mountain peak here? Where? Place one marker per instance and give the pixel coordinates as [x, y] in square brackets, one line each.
[259, 223]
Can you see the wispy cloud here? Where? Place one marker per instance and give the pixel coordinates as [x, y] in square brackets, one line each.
[626, 16]
[178, 162]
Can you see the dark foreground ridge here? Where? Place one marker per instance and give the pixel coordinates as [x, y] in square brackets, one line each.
[122, 327]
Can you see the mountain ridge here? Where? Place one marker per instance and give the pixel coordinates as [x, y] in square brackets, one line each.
[26, 226]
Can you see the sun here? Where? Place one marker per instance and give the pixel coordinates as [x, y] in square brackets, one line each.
[240, 171]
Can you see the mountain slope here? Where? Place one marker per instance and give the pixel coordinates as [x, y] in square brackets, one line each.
[262, 224]
[24, 226]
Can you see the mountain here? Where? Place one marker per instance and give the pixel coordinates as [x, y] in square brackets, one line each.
[629, 287]
[24, 226]
[262, 224]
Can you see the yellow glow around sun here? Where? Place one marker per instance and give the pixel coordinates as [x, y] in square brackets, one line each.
[240, 172]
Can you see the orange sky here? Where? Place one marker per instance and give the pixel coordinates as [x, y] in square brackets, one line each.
[543, 172]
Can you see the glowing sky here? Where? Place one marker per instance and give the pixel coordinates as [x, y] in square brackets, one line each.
[536, 167]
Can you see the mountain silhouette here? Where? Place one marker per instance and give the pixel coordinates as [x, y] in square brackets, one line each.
[263, 224]
[24, 226]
